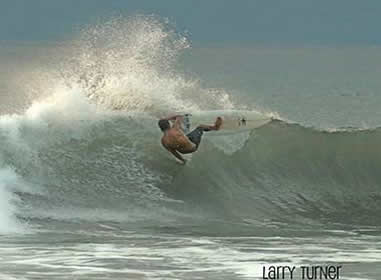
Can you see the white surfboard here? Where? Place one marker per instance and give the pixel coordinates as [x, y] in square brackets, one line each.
[233, 121]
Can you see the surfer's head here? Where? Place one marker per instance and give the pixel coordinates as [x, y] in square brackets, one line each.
[164, 125]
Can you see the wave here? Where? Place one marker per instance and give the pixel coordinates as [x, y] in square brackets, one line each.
[70, 156]
[110, 166]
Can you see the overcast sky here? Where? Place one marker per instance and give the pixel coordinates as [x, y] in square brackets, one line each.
[210, 21]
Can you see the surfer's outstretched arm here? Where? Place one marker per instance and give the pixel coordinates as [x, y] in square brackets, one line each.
[176, 154]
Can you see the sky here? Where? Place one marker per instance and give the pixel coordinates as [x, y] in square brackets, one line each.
[206, 21]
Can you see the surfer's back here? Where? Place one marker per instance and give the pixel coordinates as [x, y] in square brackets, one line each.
[174, 138]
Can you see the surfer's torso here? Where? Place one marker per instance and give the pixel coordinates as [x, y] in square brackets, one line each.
[175, 139]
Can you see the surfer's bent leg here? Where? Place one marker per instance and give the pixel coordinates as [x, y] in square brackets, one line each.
[196, 135]
[216, 125]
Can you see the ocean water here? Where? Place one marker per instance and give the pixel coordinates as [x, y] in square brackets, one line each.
[87, 192]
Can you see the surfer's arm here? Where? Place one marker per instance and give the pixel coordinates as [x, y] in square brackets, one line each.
[173, 118]
[178, 120]
[176, 154]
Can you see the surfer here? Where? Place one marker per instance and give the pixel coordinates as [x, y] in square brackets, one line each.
[176, 142]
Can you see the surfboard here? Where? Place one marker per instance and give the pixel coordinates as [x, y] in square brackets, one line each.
[233, 121]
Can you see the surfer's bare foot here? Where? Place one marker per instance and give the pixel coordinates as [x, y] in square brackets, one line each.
[218, 123]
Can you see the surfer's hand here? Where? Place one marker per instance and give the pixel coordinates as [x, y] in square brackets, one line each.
[182, 162]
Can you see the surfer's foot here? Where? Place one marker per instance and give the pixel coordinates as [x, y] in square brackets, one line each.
[218, 123]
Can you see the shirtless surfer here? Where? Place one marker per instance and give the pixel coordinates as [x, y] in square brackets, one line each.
[174, 139]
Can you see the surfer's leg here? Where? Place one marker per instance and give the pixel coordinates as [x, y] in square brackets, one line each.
[216, 125]
[196, 135]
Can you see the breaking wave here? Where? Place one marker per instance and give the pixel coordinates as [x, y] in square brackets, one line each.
[87, 148]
